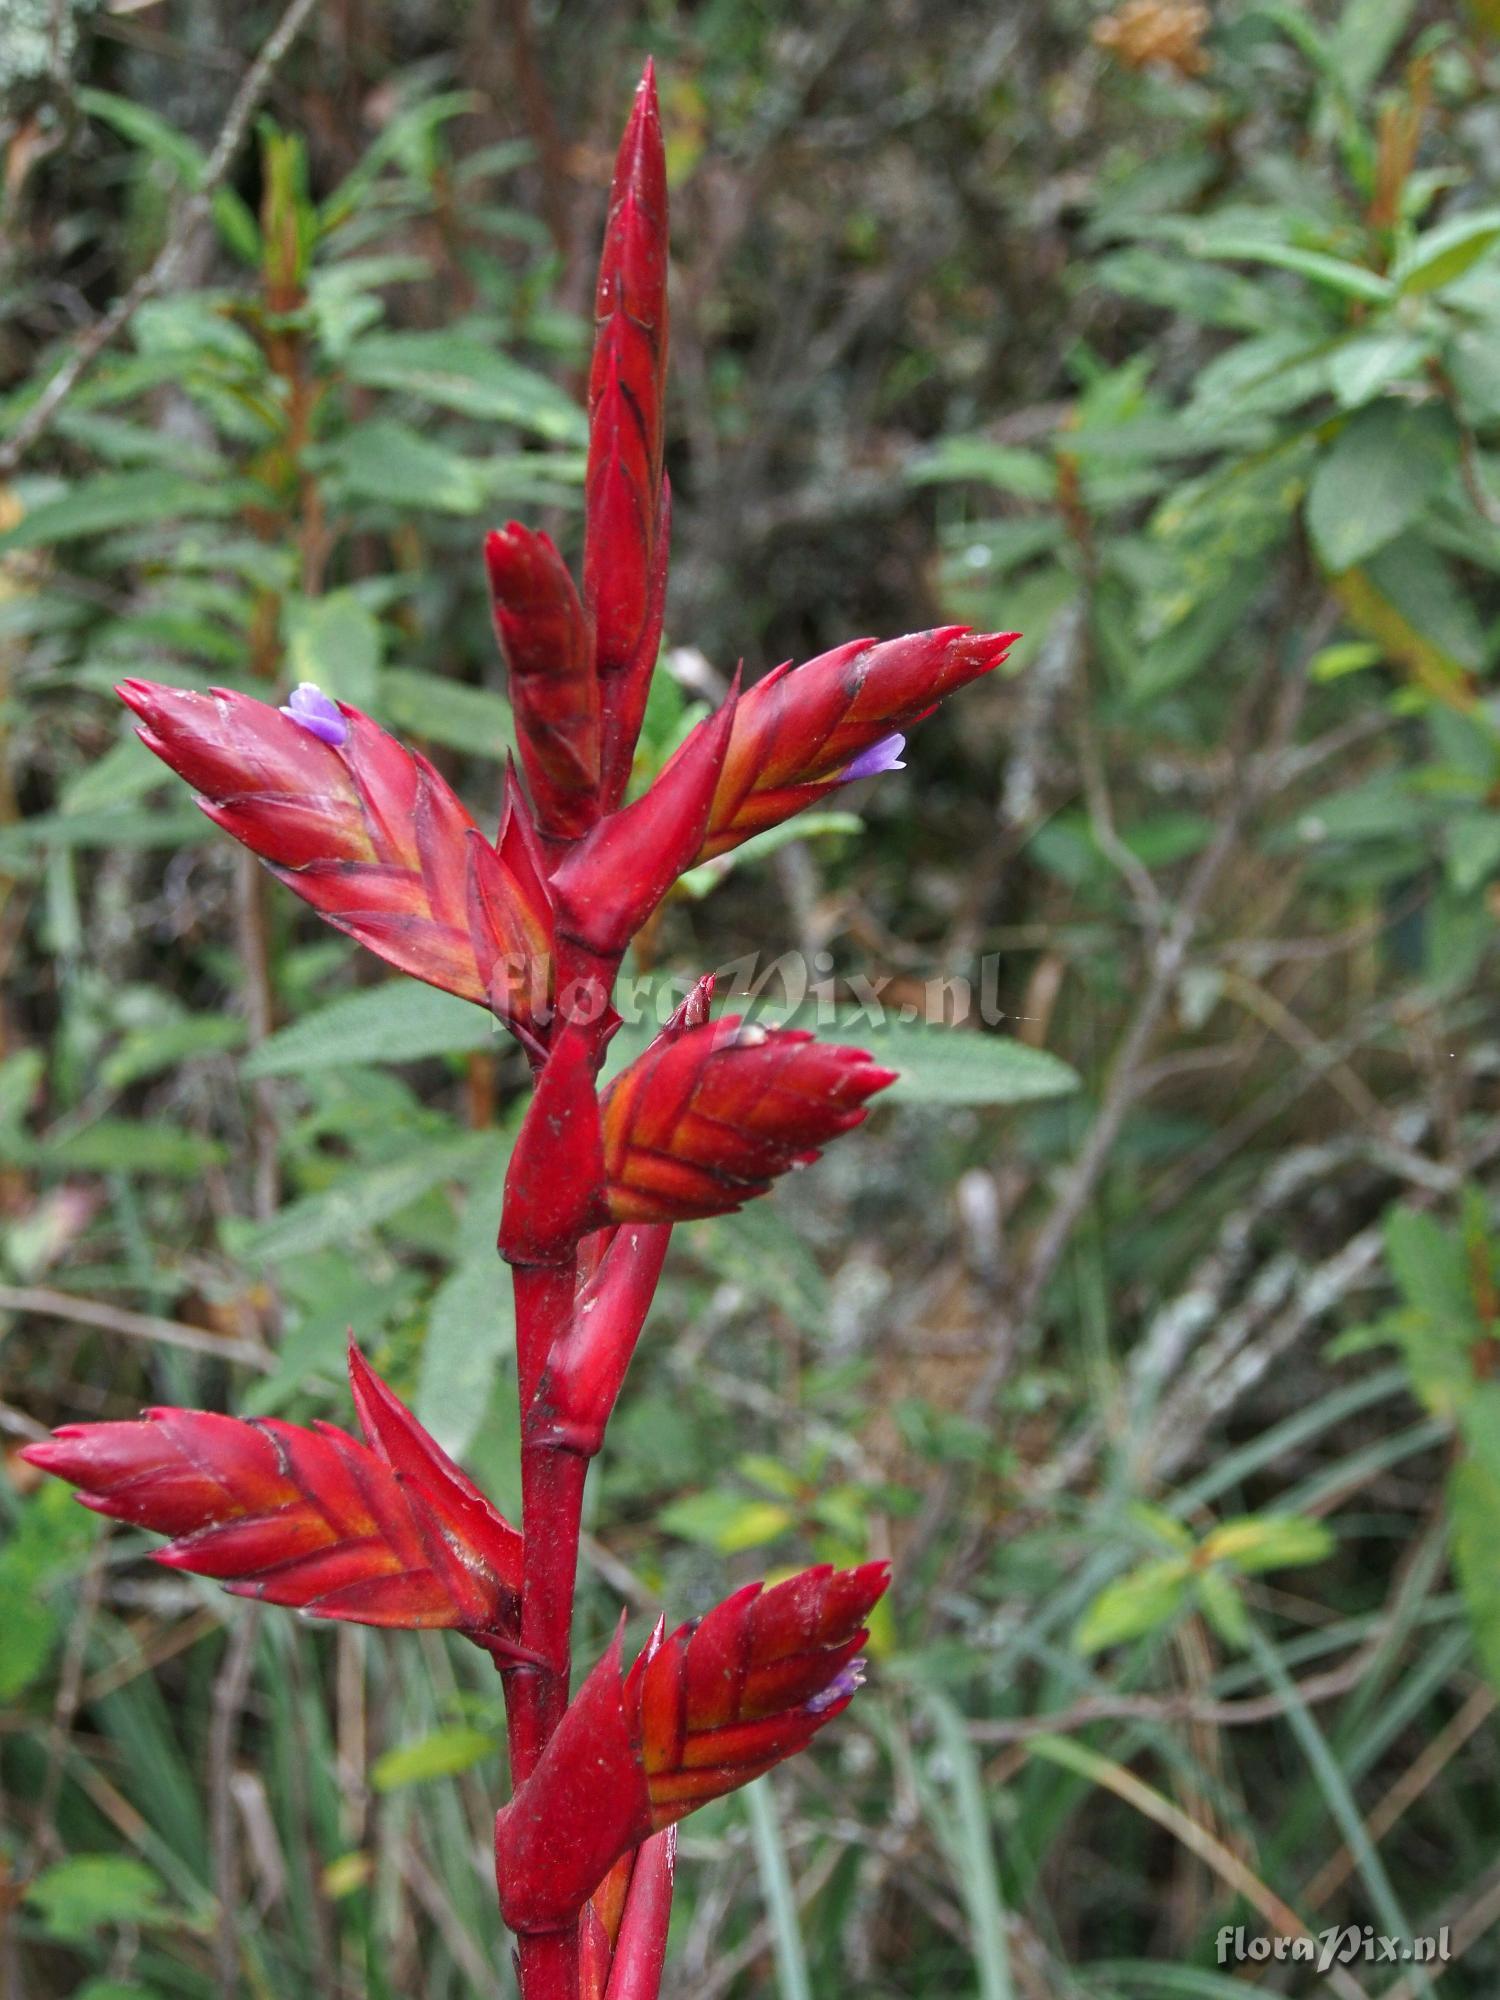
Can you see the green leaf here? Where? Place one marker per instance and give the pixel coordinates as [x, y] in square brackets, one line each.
[360, 1201]
[1256, 1542]
[1428, 1263]
[471, 1328]
[46, 1544]
[149, 1051]
[121, 500]
[81, 1895]
[1361, 368]
[1222, 1606]
[937, 1065]
[726, 1522]
[391, 462]
[460, 373]
[793, 1980]
[1352, 280]
[472, 719]
[1007, 468]
[1149, 1596]
[1375, 480]
[1361, 43]
[401, 1021]
[335, 641]
[178, 827]
[441, 1754]
[958, 1066]
[1440, 255]
[128, 1146]
[1473, 1510]
[1473, 843]
[122, 775]
[968, 1835]
[1352, 657]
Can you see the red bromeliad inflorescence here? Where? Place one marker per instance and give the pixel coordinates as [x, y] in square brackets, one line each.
[533, 925]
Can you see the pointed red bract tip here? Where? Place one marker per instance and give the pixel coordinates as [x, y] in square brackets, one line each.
[626, 501]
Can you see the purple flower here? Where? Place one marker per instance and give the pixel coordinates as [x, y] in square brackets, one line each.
[882, 756]
[312, 710]
[843, 1684]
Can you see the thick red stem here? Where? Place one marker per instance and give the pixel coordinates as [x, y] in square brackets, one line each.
[549, 1965]
[552, 1483]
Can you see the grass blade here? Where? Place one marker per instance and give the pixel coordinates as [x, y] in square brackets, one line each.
[792, 1980]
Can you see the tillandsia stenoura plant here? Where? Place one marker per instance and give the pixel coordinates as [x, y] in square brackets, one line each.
[534, 926]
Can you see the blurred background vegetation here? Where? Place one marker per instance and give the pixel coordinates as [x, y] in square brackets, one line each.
[1155, 1331]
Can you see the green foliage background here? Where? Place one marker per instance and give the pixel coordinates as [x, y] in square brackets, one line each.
[1153, 1325]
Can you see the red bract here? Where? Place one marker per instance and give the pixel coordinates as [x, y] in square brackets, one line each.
[554, 691]
[535, 926]
[364, 830]
[624, 1929]
[701, 1712]
[389, 1533]
[703, 1122]
[802, 731]
[627, 502]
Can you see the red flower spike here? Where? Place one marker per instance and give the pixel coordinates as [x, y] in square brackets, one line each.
[389, 1533]
[554, 1187]
[700, 1713]
[699, 1124]
[611, 881]
[363, 829]
[798, 731]
[553, 690]
[625, 537]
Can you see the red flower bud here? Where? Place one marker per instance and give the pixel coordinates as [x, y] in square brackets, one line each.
[698, 1125]
[700, 1713]
[360, 827]
[626, 531]
[801, 731]
[385, 1533]
[553, 689]
[613, 879]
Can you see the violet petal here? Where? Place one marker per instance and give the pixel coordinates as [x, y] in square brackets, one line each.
[880, 757]
[312, 710]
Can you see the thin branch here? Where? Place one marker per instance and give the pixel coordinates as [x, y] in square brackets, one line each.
[132, 1325]
[163, 267]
